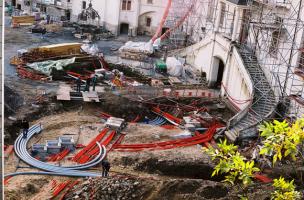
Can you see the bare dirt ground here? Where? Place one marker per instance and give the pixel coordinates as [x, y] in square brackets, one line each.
[182, 173]
[84, 127]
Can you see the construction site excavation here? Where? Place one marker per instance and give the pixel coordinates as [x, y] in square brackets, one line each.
[156, 100]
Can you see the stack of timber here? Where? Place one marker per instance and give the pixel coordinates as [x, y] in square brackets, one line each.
[23, 20]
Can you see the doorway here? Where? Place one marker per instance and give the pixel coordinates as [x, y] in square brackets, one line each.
[217, 73]
[220, 73]
[124, 28]
[68, 15]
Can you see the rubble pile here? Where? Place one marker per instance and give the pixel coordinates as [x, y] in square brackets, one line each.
[118, 187]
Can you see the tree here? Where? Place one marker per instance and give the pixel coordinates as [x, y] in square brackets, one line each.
[231, 163]
[281, 140]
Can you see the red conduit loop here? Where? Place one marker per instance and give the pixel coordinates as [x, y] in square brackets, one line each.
[237, 101]
[198, 139]
[162, 22]
[90, 145]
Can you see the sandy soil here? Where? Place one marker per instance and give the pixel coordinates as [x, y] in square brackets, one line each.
[84, 127]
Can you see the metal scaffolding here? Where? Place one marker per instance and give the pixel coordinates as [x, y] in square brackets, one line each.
[272, 30]
[275, 31]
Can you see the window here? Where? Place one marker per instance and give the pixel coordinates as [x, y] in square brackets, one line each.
[129, 5]
[210, 12]
[222, 15]
[84, 5]
[301, 59]
[301, 62]
[276, 36]
[126, 5]
[274, 44]
[148, 21]
[150, 1]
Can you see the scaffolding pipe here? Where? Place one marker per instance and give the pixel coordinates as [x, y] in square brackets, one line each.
[162, 22]
[179, 22]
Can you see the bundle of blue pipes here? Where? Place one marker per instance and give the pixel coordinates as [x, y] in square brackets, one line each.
[21, 151]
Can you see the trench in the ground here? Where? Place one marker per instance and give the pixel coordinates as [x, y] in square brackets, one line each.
[129, 110]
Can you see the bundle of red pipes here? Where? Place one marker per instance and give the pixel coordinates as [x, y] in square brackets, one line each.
[59, 156]
[25, 73]
[198, 139]
[91, 150]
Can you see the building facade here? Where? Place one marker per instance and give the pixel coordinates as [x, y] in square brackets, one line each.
[124, 16]
[131, 17]
[272, 30]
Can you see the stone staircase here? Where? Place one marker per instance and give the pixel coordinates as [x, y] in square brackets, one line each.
[244, 124]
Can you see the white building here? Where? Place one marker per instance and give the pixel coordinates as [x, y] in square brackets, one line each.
[119, 16]
[252, 51]
[124, 16]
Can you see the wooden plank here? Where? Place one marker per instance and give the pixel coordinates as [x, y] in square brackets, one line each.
[90, 97]
[23, 19]
[63, 93]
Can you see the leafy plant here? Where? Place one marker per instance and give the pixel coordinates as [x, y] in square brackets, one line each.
[231, 163]
[284, 190]
[281, 140]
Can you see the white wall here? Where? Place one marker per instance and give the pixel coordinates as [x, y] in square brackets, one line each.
[236, 81]
[112, 15]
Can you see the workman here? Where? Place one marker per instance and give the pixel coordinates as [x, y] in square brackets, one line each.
[48, 18]
[25, 127]
[88, 84]
[43, 32]
[94, 81]
[78, 83]
[105, 167]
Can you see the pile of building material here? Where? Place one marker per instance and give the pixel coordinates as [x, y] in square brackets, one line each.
[23, 20]
[53, 28]
[57, 60]
[91, 32]
[175, 66]
[62, 49]
[136, 50]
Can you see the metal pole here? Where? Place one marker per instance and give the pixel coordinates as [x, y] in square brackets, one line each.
[292, 49]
